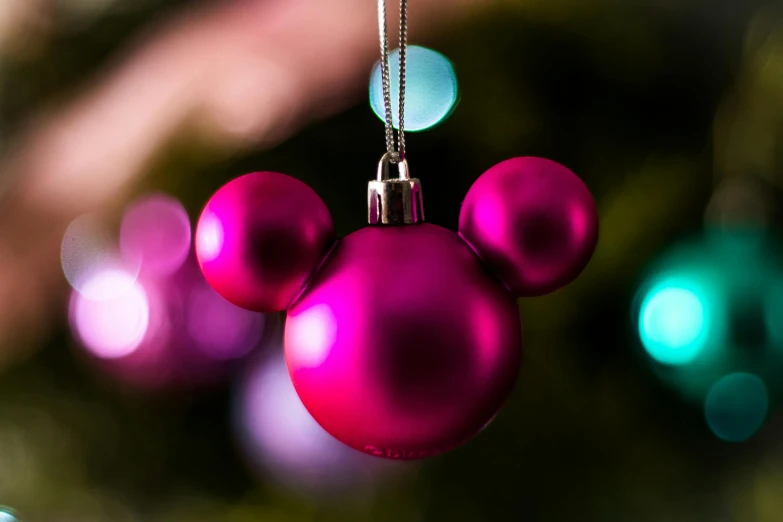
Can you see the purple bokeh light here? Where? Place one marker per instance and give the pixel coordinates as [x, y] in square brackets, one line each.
[192, 337]
[156, 230]
[218, 328]
[286, 444]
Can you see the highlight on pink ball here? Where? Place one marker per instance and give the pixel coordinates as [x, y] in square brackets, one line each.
[156, 230]
[533, 222]
[115, 327]
[218, 328]
[284, 443]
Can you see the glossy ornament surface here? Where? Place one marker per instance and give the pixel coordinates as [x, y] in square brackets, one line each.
[533, 222]
[403, 345]
[260, 237]
[403, 339]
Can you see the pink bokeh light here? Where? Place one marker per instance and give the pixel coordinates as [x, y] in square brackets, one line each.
[156, 230]
[111, 328]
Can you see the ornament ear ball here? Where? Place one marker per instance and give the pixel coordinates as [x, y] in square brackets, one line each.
[533, 222]
[260, 237]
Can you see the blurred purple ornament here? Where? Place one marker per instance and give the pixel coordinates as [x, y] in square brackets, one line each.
[285, 444]
[156, 230]
[533, 222]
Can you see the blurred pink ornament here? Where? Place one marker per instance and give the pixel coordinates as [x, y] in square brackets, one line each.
[285, 444]
[156, 230]
[260, 237]
[533, 222]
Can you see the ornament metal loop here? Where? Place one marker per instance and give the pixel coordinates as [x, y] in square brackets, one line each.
[394, 201]
[383, 167]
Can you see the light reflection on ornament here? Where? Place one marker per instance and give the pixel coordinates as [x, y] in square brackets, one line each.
[209, 240]
[7, 515]
[736, 406]
[218, 328]
[87, 250]
[115, 327]
[156, 230]
[673, 323]
[430, 89]
[283, 441]
[316, 332]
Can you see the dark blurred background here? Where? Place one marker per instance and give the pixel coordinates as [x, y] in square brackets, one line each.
[654, 103]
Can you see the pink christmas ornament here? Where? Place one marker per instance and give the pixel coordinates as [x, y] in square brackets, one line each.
[260, 237]
[403, 343]
[533, 222]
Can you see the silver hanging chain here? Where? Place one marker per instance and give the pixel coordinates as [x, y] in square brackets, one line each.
[399, 154]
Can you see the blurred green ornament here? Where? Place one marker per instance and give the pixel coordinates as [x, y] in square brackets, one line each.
[711, 307]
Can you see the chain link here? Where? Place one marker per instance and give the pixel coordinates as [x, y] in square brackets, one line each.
[399, 154]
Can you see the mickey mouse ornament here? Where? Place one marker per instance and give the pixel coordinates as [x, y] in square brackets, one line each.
[402, 339]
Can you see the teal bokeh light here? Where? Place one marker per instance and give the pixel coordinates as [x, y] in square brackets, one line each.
[673, 323]
[7, 515]
[430, 88]
[736, 406]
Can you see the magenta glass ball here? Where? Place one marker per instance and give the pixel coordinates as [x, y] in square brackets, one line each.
[260, 237]
[533, 222]
[403, 345]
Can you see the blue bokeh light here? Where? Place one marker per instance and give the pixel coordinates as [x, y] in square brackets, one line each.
[736, 406]
[673, 323]
[431, 90]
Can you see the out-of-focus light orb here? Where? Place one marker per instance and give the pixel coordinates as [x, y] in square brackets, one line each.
[774, 312]
[156, 230]
[221, 329]
[431, 90]
[673, 324]
[111, 328]
[712, 305]
[736, 406]
[87, 250]
[7, 515]
[287, 444]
